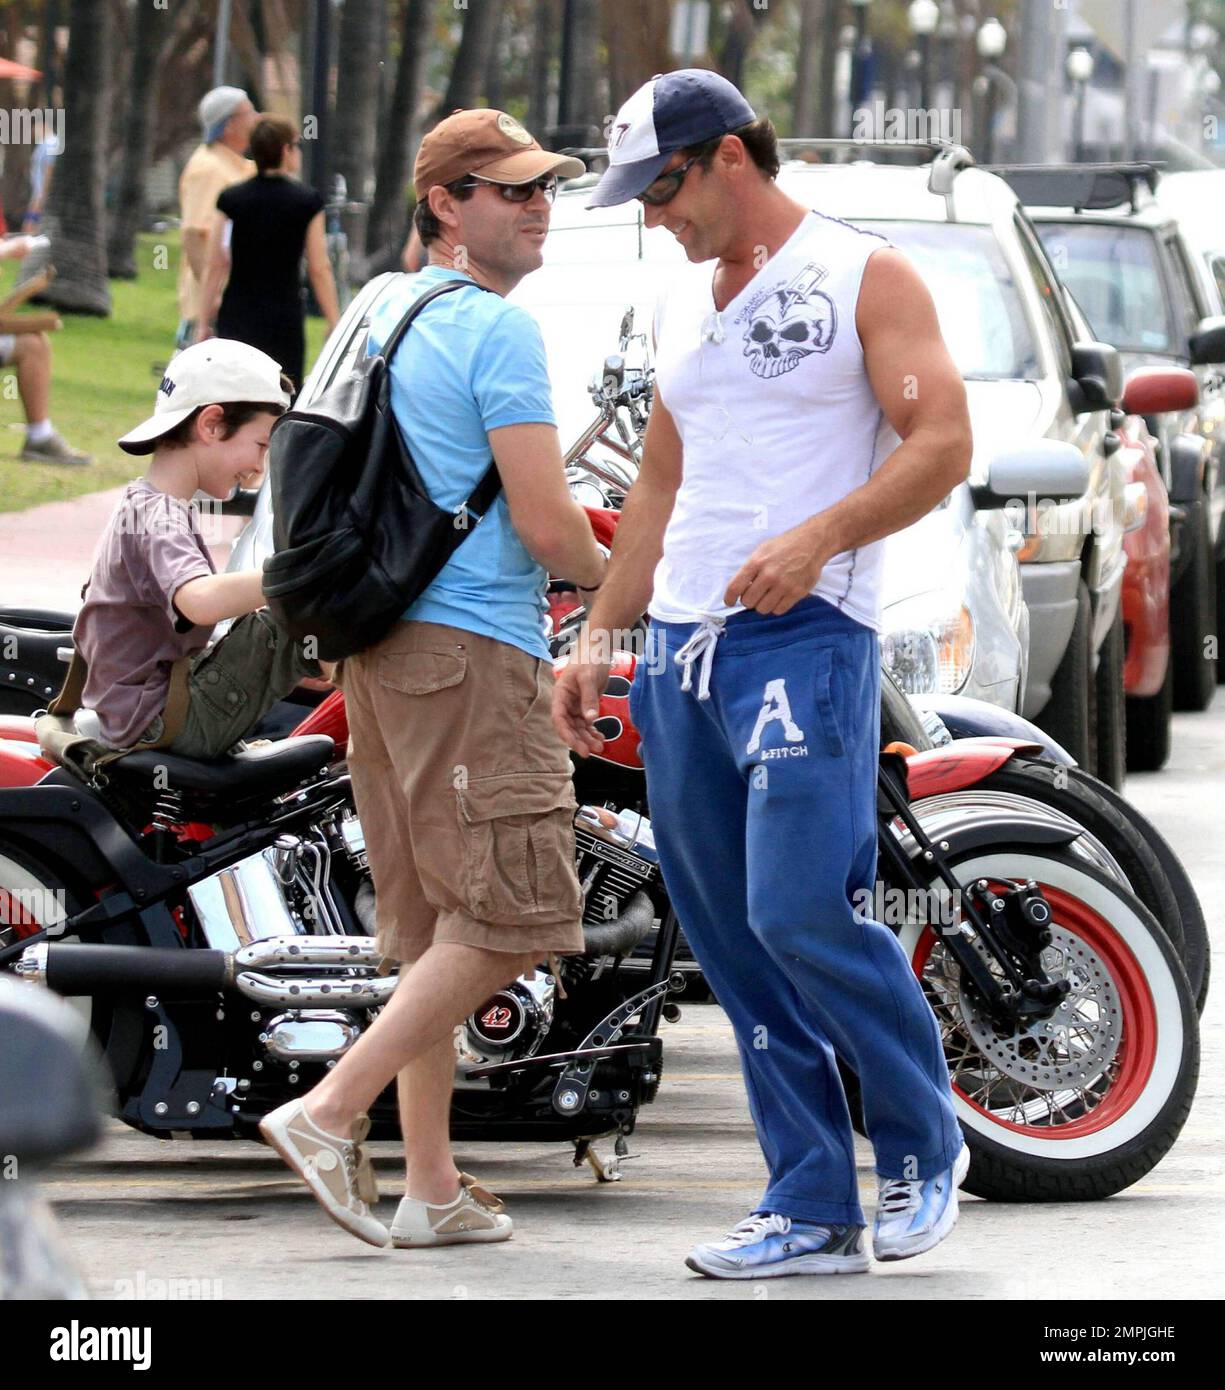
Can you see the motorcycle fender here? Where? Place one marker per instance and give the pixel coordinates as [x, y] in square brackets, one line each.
[966, 718]
[1002, 832]
[21, 764]
[961, 764]
[19, 727]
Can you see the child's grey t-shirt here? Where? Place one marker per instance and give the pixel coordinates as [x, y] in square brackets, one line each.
[128, 630]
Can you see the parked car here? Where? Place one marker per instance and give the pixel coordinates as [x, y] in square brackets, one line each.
[1195, 199]
[1124, 258]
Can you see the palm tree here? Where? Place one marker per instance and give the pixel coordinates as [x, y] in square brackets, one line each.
[151, 41]
[388, 222]
[357, 96]
[471, 58]
[579, 108]
[76, 210]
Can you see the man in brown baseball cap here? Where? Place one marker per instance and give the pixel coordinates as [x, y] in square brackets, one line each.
[477, 147]
[462, 783]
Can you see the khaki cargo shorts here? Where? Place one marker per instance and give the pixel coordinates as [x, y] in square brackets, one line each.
[464, 792]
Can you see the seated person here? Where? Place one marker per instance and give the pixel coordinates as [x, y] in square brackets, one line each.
[154, 596]
[30, 355]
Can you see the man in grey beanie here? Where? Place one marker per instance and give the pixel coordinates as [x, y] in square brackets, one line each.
[226, 119]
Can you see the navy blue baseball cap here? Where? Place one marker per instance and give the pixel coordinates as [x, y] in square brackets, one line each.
[671, 112]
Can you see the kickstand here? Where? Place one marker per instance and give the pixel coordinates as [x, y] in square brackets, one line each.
[605, 1169]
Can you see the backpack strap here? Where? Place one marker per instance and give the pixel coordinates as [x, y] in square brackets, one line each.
[398, 332]
[486, 491]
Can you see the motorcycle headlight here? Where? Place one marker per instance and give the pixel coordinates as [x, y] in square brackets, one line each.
[926, 650]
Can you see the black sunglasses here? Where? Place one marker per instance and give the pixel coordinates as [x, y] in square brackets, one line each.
[516, 192]
[668, 185]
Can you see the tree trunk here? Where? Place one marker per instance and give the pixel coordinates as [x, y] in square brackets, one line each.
[388, 223]
[737, 42]
[495, 71]
[579, 98]
[544, 27]
[76, 212]
[148, 43]
[636, 40]
[827, 113]
[357, 93]
[471, 59]
[807, 91]
[246, 46]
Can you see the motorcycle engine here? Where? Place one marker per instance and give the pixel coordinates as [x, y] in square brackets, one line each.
[510, 1024]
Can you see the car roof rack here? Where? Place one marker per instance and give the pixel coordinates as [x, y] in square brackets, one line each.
[1082, 187]
[947, 158]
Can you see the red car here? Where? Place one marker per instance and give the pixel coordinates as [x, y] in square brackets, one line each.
[1147, 670]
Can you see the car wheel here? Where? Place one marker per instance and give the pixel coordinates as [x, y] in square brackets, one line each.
[1193, 613]
[1070, 716]
[1111, 707]
[1148, 725]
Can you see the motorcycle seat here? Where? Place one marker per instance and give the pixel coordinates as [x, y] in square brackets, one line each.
[254, 772]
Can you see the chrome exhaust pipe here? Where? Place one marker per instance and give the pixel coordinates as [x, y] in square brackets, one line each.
[310, 991]
[337, 951]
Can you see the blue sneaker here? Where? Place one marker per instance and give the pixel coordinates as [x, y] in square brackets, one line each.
[915, 1215]
[766, 1245]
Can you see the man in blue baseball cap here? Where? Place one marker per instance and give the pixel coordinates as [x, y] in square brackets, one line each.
[806, 407]
[672, 111]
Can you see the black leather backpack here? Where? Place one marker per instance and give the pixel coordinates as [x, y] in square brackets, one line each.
[357, 537]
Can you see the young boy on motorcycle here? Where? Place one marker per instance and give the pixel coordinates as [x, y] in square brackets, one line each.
[151, 672]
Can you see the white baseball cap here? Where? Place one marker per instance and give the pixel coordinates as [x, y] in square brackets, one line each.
[218, 371]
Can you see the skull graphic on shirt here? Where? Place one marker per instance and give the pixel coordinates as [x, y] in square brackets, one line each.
[787, 328]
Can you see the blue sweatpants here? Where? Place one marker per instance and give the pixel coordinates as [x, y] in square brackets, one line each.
[763, 800]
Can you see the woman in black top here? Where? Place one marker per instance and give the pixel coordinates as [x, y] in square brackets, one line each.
[263, 226]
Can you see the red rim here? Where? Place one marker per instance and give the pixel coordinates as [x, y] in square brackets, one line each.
[14, 915]
[1138, 1046]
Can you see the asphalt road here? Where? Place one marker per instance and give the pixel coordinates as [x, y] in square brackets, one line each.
[229, 1221]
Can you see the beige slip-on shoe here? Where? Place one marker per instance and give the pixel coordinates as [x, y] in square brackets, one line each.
[474, 1216]
[338, 1173]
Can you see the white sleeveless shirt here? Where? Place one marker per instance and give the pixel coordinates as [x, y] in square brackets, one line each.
[776, 416]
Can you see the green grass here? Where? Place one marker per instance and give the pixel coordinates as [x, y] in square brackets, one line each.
[104, 376]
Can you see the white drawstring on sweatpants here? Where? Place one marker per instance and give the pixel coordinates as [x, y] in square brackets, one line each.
[700, 650]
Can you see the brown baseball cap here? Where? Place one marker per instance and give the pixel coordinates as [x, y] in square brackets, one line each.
[489, 143]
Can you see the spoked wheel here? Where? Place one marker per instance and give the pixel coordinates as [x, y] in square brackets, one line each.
[1084, 1103]
[33, 898]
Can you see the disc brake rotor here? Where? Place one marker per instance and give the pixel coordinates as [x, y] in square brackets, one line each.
[1068, 1050]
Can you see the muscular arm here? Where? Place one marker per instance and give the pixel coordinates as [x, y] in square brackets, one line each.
[923, 398]
[639, 539]
[626, 591]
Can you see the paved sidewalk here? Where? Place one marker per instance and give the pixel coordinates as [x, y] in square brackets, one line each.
[45, 552]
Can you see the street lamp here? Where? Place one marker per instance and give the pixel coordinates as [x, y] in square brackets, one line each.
[863, 51]
[923, 16]
[992, 40]
[1080, 70]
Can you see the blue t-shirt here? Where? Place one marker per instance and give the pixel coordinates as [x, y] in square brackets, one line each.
[470, 363]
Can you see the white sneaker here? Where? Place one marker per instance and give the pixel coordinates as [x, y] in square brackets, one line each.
[915, 1215]
[338, 1173]
[475, 1215]
[767, 1245]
